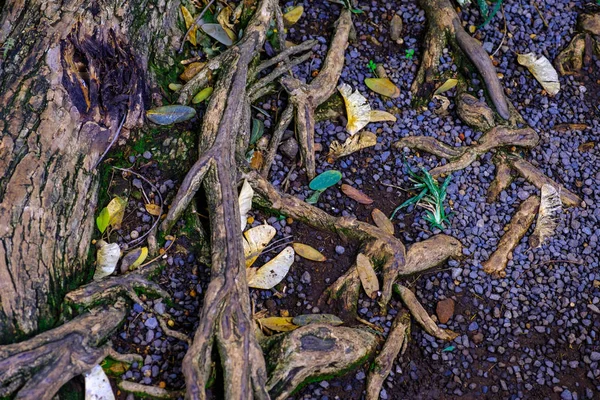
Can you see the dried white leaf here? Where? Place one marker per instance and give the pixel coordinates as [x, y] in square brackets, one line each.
[97, 385]
[548, 216]
[106, 259]
[245, 202]
[358, 109]
[257, 239]
[542, 70]
[273, 272]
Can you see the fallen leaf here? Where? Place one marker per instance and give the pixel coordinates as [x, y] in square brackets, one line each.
[314, 198]
[356, 194]
[293, 15]
[258, 129]
[278, 324]
[570, 127]
[224, 17]
[308, 252]
[257, 239]
[273, 272]
[542, 70]
[175, 86]
[97, 385]
[102, 220]
[134, 259]
[382, 221]
[587, 146]
[325, 180]
[245, 202]
[202, 95]
[357, 109]
[449, 84]
[383, 86]
[217, 32]
[367, 275]
[116, 211]
[352, 144]
[305, 319]
[189, 21]
[381, 116]
[168, 115]
[153, 209]
[191, 70]
[444, 103]
[107, 257]
[257, 160]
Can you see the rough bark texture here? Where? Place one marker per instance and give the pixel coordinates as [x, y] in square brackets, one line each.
[58, 116]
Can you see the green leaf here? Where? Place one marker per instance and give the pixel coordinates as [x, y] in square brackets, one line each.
[103, 220]
[325, 180]
[258, 129]
[172, 114]
[202, 95]
[412, 200]
[492, 14]
[314, 198]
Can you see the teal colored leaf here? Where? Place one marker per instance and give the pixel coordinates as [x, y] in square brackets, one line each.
[258, 129]
[103, 220]
[314, 198]
[217, 32]
[449, 348]
[325, 180]
[168, 115]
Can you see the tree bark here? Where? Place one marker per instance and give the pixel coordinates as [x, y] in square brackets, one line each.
[74, 71]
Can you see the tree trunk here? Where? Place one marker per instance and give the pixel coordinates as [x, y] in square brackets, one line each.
[72, 71]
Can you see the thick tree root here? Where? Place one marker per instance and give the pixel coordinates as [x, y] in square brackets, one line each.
[421, 316]
[464, 156]
[517, 228]
[315, 351]
[444, 26]
[307, 97]
[148, 391]
[39, 367]
[395, 343]
[577, 56]
[430, 253]
[502, 180]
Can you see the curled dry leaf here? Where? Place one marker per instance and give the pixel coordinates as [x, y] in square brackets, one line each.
[189, 21]
[548, 216]
[278, 324]
[257, 160]
[97, 385]
[542, 70]
[245, 203]
[356, 194]
[449, 84]
[107, 258]
[383, 86]
[153, 209]
[352, 144]
[293, 15]
[381, 116]
[357, 109]
[367, 275]
[273, 272]
[305, 319]
[382, 221]
[257, 239]
[442, 109]
[224, 17]
[308, 252]
[134, 259]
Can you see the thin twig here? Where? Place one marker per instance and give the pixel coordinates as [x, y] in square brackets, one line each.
[196, 22]
[112, 141]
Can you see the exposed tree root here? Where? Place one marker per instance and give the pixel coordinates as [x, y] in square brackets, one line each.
[421, 316]
[39, 367]
[148, 391]
[395, 343]
[307, 97]
[517, 228]
[502, 180]
[464, 156]
[474, 112]
[578, 54]
[445, 26]
[430, 253]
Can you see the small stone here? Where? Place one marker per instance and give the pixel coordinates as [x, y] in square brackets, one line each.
[445, 310]
[151, 323]
[340, 249]
[134, 234]
[305, 277]
[289, 148]
[473, 326]
[595, 356]
[324, 384]
[478, 338]
[159, 308]
[147, 155]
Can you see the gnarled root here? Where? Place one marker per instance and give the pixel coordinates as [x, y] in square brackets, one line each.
[395, 343]
[148, 391]
[39, 367]
[499, 136]
[502, 180]
[517, 228]
[444, 26]
[578, 54]
[421, 316]
[430, 253]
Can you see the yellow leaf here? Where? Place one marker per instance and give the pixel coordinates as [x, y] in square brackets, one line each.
[142, 257]
[175, 86]
[230, 33]
[116, 210]
[224, 17]
[293, 15]
[273, 272]
[191, 70]
[382, 221]
[202, 95]
[153, 209]
[245, 203]
[278, 324]
[367, 275]
[189, 21]
[381, 116]
[357, 109]
[308, 252]
[257, 239]
[449, 84]
[383, 86]
[352, 144]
